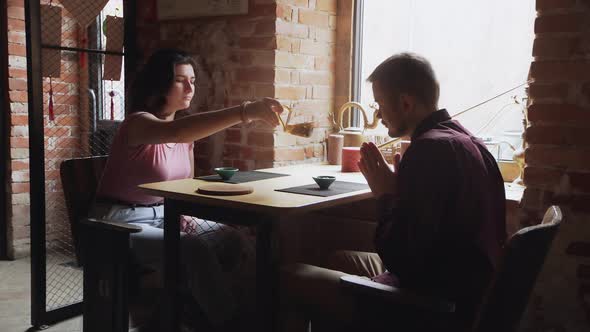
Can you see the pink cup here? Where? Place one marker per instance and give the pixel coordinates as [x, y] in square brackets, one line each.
[335, 143]
[350, 158]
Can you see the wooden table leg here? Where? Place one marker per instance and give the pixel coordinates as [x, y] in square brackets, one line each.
[171, 305]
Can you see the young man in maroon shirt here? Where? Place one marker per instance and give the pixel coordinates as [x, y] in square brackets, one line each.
[441, 209]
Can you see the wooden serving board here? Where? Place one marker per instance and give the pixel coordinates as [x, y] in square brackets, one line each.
[224, 189]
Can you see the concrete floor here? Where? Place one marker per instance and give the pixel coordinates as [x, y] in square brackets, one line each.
[15, 297]
[15, 300]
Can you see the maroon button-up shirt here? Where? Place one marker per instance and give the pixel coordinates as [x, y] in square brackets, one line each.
[443, 234]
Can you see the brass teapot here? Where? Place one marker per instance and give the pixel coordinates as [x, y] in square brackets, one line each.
[353, 136]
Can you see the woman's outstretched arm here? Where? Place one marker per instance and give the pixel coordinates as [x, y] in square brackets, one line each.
[148, 129]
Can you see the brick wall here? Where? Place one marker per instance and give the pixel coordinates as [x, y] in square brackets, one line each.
[18, 165]
[281, 49]
[558, 162]
[66, 135]
[304, 80]
[235, 56]
[62, 136]
[556, 158]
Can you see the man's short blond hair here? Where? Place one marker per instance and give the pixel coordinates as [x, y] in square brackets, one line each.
[407, 73]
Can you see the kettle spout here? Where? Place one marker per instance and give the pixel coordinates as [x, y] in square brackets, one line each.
[375, 120]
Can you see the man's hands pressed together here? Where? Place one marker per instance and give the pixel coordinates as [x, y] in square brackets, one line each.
[380, 177]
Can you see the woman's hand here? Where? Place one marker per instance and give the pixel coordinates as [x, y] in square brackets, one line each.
[265, 109]
[380, 177]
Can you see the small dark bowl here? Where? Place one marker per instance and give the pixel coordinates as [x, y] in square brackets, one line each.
[324, 181]
[226, 172]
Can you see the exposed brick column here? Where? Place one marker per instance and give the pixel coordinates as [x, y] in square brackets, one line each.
[558, 163]
[18, 206]
[305, 67]
[558, 153]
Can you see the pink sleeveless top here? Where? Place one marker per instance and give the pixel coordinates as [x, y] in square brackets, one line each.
[127, 167]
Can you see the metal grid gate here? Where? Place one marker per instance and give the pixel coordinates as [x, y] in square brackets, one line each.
[76, 101]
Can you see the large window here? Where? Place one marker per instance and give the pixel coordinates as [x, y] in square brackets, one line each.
[107, 97]
[479, 49]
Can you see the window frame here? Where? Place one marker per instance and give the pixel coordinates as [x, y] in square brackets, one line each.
[95, 77]
[357, 57]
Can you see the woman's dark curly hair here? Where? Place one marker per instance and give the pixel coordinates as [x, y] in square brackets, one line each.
[154, 80]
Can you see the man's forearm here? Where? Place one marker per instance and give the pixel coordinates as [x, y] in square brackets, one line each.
[385, 205]
[386, 210]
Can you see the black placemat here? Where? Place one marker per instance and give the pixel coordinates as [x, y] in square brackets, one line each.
[242, 177]
[337, 188]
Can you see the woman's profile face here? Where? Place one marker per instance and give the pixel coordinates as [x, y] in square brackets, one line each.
[183, 88]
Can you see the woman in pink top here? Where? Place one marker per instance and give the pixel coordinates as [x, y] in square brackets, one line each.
[153, 145]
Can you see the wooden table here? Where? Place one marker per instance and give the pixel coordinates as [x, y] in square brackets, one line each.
[263, 208]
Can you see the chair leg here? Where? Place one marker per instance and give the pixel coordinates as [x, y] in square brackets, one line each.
[106, 279]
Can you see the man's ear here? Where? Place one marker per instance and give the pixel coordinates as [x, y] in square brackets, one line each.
[407, 102]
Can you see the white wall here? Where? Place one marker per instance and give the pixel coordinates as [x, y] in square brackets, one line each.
[478, 48]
